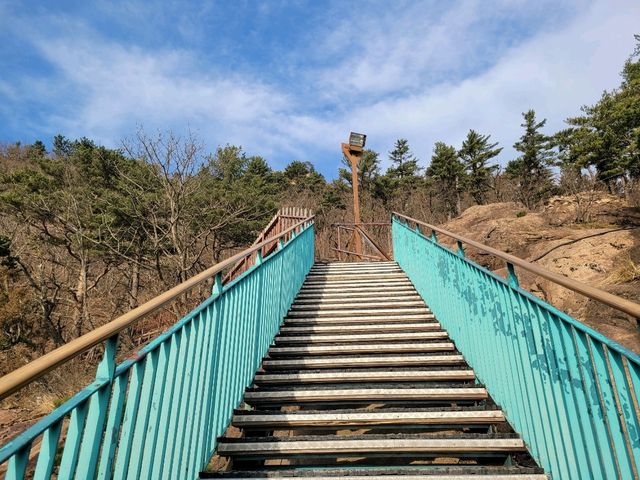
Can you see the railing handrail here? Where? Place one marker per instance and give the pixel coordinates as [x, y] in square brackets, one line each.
[614, 301]
[26, 374]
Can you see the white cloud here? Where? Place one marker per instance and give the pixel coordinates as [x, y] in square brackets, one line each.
[121, 86]
[418, 73]
[554, 72]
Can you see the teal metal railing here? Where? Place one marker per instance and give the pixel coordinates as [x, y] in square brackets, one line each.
[158, 415]
[571, 392]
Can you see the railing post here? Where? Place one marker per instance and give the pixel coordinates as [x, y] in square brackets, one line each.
[460, 249]
[511, 275]
[89, 447]
[216, 289]
[434, 236]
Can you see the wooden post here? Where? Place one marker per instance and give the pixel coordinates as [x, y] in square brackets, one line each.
[353, 156]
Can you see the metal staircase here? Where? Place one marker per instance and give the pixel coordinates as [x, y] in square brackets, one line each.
[362, 382]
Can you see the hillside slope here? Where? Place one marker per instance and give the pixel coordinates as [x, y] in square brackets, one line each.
[605, 252]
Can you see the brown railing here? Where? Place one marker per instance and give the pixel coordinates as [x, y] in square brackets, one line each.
[349, 233]
[37, 368]
[281, 221]
[588, 291]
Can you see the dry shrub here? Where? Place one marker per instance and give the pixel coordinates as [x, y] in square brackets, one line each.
[626, 271]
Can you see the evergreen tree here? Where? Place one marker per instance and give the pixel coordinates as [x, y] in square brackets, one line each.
[368, 170]
[531, 170]
[475, 153]
[447, 173]
[405, 165]
[607, 134]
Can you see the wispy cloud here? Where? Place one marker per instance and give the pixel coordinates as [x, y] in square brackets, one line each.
[423, 70]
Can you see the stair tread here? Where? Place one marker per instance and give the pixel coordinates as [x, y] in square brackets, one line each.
[423, 346]
[394, 376]
[367, 361]
[331, 305]
[362, 311]
[431, 472]
[371, 418]
[354, 319]
[360, 337]
[339, 446]
[368, 394]
[338, 329]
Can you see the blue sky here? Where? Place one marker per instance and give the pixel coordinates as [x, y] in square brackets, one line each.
[289, 79]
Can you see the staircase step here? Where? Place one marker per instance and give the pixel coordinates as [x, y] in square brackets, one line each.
[391, 312]
[364, 348]
[358, 418]
[366, 395]
[351, 277]
[360, 376]
[356, 266]
[423, 472]
[329, 445]
[362, 328]
[358, 296]
[366, 361]
[351, 305]
[372, 337]
[360, 319]
[349, 292]
[365, 376]
[397, 282]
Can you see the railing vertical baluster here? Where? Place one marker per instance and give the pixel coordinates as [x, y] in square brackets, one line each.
[185, 400]
[18, 463]
[156, 405]
[625, 414]
[563, 389]
[212, 390]
[561, 449]
[167, 413]
[97, 414]
[198, 455]
[196, 393]
[142, 418]
[48, 450]
[112, 428]
[605, 394]
[130, 415]
[257, 334]
[72, 442]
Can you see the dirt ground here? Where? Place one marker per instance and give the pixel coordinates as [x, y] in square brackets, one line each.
[603, 252]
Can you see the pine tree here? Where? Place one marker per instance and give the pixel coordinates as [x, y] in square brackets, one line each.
[475, 153]
[531, 170]
[448, 174]
[368, 170]
[405, 165]
[607, 134]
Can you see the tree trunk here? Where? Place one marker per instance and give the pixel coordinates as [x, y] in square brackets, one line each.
[134, 285]
[80, 314]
